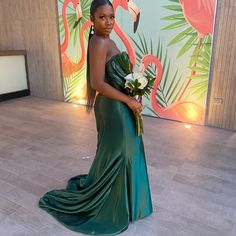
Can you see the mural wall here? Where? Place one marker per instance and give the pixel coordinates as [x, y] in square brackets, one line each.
[174, 37]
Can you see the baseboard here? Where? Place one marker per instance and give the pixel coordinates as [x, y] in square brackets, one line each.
[12, 95]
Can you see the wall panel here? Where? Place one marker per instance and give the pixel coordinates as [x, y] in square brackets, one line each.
[33, 26]
[222, 99]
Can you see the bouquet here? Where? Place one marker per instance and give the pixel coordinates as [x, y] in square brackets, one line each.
[133, 84]
[138, 85]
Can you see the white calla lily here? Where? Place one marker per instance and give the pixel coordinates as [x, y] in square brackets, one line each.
[143, 81]
[136, 76]
[129, 77]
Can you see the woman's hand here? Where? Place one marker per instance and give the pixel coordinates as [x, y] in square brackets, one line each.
[134, 105]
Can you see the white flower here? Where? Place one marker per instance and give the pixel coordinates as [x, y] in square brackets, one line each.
[142, 80]
[136, 76]
[129, 77]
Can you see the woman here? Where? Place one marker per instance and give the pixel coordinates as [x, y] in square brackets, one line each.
[116, 189]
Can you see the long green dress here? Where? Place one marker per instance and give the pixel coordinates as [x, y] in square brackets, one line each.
[116, 189]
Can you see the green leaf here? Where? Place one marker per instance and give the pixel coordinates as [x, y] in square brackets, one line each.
[200, 84]
[199, 69]
[200, 90]
[142, 43]
[175, 25]
[174, 17]
[182, 35]
[173, 7]
[139, 47]
[172, 87]
[72, 83]
[166, 72]
[187, 45]
[178, 91]
[202, 63]
[198, 76]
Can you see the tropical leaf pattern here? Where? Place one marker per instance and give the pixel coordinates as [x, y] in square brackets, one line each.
[200, 79]
[171, 84]
[71, 18]
[71, 85]
[199, 62]
[180, 82]
[76, 81]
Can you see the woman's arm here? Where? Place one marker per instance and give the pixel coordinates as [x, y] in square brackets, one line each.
[98, 50]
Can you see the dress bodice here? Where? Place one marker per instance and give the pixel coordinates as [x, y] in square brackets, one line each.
[116, 70]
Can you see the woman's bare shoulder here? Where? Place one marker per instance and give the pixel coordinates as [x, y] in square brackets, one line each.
[99, 43]
[113, 46]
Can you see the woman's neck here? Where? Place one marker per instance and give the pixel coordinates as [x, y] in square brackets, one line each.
[102, 36]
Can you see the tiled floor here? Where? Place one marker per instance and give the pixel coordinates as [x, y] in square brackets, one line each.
[43, 143]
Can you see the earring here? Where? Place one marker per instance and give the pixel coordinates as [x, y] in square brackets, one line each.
[92, 29]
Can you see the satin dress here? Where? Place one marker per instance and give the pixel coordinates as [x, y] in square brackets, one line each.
[116, 189]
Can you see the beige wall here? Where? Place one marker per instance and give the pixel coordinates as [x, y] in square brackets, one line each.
[223, 70]
[32, 25]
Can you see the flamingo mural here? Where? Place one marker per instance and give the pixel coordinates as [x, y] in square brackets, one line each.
[181, 110]
[200, 16]
[173, 97]
[130, 6]
[77, 7]
[68, 66]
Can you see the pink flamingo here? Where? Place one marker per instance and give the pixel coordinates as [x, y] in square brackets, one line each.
[68, 66]
[77, 7]
[127, 5]
[200, 15]
[180, 110]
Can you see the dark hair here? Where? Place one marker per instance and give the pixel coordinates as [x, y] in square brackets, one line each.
[90, 91]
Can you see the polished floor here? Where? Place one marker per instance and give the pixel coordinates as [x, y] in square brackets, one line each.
[192, 171]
